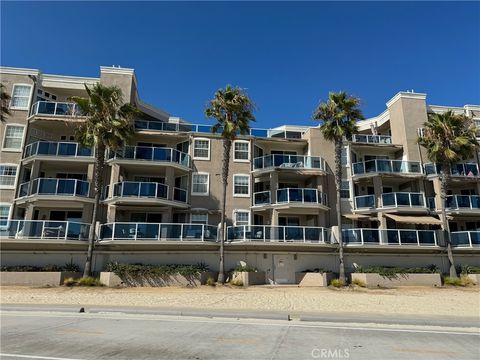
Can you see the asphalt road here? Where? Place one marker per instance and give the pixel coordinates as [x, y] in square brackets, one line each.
[32, 333]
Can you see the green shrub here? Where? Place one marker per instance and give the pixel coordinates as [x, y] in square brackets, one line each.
[393, 271]
[89, 281]
[468, 269]
[458, 281]
[138, 270]
[50, 267]
[337, 283]
[358, 282]
[69, 282]
[246, 268]
[211, 281]
[70, 266]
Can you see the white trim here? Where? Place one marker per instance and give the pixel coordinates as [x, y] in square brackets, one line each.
[18, 71]
[248, 151]
[233, 186]
[208, 184]
[209, 148]
[236, 211]
[10, 187]
[27, 108]
[406, 95]
[199, 213]
[20, 149]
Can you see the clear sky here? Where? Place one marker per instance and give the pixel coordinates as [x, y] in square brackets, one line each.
[288, 55]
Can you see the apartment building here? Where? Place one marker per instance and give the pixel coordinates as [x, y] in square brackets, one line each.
[162, 195]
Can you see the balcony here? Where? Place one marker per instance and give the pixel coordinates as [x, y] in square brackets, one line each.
[138, 192]
[465, 170]
[459, 203]
[292, 196]
[365, 202]
[394, 200]
[54, 187]
[372, 139]
[44, 230]
[151, 154]
[126, 231]
[285, 234]
[388, 237]
[289, 162]
[57, 150]
[465, 239]
[55, 109]
[381, 166]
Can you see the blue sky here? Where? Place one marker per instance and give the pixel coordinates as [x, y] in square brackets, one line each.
[288, 55]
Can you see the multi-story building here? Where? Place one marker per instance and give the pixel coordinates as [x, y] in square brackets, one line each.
[162, 195]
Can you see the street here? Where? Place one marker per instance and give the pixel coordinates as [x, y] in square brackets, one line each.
[35, 334]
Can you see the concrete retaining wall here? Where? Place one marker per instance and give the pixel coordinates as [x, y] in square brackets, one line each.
[249, 278]
[475, 278]
[376, 280]
[111, 280]
[40, 278]
[313, 279]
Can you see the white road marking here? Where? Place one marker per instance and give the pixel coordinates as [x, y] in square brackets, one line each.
[35, 357]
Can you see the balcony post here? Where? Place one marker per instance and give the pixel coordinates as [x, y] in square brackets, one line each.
[55, 109]
[43, 230]
[181, 232]
[66, 229]
[361, 237]
[136, 231]
[418, 237]
[113, 230]
[203, 232]
[470, 238]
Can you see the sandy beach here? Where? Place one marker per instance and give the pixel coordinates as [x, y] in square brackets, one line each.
[411, 300]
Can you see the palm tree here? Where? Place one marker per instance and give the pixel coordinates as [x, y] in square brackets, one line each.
[108, 125]
[339, 116]
[233, 111]
[5, 100]
[448, 138]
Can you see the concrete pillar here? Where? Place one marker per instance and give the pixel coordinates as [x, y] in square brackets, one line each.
[35, 172]
[170, 181]
[274, 217]
[114, 177]
[438, 199]
[167, 216]
[29, 212]
[111, 213]
[378, 190]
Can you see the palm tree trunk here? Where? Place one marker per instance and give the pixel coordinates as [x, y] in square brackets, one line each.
[227, 145]
[338, 183]
[445, 182]
[98, 184]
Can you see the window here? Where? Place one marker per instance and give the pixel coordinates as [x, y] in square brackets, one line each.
[200, 183]
[345, 189]
[241, 185]
[241, 150]
[4, 213]
[344, 158]
[199, 219]
[7, 176]
[201, 149]
[20, 96]
[241, 217]
[13, 137]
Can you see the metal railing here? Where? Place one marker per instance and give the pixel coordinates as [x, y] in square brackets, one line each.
[157, 232]
[140, 189]
[289, 161]
[372, 139]
[463, 202]
[304, 196]
[44, 230]
[387, 166]
[460, 169]
[54, 108]
[465, 238]
[389, 237]
[403, 199]
[52, 148]
[158, 154]
[270, 233]
[365, 202]
[56, 187]
[262, 198]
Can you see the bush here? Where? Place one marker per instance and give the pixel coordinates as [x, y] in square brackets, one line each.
[246, 268]
[71, 267]
[138, 270]
[89, 281]
[392, 271]
[468, 269]
[211, 281]
[358, 282]
[337, 283]
[317, 270]
[237, 282]
[69, 282]
[458, 281]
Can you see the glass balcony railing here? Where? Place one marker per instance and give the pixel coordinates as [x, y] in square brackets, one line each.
[180, 195]
[264, 233]
[389, 237]
[463, 202]
[465, 238]
[289, 161]
[305, 196]
[157, 154]
[387, 166]
[431, 203]
[53, 108]
[365, 202]
[60, 149]
[44, 230]
[460, 169]
[403, 199]
[54, 187]
[157, 232]
[140, 190]
[371, 139]
[261, 198]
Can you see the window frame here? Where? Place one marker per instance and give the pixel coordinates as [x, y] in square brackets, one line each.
[194, 148]
[198, 214]
[10, 208]
[19, 149]
[236, 211]
[16, 175]
[248, 151]
[27, 108]
[207, 193]
[248, 184]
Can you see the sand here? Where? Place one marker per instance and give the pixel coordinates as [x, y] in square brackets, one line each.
[407, 301]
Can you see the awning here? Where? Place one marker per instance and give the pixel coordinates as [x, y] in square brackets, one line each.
[359, 217]
[424, 220]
